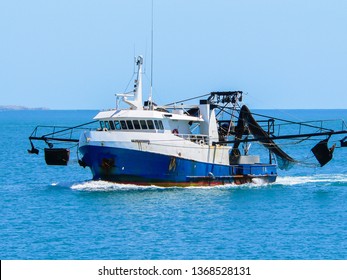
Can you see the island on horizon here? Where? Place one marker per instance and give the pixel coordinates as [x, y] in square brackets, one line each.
[18, 108]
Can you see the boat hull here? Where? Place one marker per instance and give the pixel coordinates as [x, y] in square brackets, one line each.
[147, 168]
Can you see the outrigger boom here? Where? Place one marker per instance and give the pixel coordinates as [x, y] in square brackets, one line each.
[57, 130]
[55, 156]
[291, 136]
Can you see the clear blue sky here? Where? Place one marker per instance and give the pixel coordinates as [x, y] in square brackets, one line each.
[76, 54]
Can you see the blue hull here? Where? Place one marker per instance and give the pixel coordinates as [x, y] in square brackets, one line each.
[130, 166]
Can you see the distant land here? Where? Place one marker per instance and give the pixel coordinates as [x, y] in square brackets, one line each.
[17, 108]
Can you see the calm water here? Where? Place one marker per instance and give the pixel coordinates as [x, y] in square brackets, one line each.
[58, 213]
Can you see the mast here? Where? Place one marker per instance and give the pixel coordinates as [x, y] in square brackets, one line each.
[136, 103]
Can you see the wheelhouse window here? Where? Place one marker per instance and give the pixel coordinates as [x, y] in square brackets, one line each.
[136, 124]
[111, 125]
[143, 124]
[123, 125]
[158, 124]
[130, 124]
[107, 125]
[150, 124]
[117, 125]
[161, 125]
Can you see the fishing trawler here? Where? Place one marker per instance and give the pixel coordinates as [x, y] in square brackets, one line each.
[179, 144]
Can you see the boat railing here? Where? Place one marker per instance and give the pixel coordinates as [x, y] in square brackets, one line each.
[195, 138]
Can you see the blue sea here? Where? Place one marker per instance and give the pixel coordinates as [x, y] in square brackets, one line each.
[58, 212]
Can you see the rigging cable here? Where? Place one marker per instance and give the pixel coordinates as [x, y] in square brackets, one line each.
[180, 101]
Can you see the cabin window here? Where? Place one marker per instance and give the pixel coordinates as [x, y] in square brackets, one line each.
[111, 125]
[161, 125]
[130, 125]
[102, 125]
[117, 125]
[123, 125]
[150, 124]
[143, 124]
[136, 124]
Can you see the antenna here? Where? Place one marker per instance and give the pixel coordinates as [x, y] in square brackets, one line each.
[151, 87]
[134, 59]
